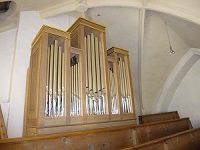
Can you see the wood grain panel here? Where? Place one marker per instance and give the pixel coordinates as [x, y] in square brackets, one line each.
[158, 117]
[34, 83]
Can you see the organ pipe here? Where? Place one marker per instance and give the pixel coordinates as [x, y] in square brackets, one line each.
[95, 89]
[55, 81]
[125, 95]
[94, 76]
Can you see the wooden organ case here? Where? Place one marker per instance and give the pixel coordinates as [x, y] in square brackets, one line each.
[74, 84]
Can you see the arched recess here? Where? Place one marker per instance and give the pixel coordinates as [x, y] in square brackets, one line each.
[175, 78]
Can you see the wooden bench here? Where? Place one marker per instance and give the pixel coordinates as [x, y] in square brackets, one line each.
[186, 140]
[151, 131]
[158, 117]
[3, 131]
[109, 138]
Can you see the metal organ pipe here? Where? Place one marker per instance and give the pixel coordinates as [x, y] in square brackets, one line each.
[94, 76]
[55, 81]
[59, 81]
[51, 82]
[95, 89]
[89, 63]
[125, 97]
[112, 87]
[47, 83]
[63, 85]
[98, 65]
[75, 88]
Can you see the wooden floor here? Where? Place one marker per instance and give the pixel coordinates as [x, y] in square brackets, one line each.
[160, 135]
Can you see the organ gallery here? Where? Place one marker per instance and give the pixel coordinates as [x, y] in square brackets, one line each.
[74, 83]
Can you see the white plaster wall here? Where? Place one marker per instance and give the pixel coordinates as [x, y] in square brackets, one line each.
[29, 25]
[186, 99]
[122, 27]
[157, 63]
[7, 42]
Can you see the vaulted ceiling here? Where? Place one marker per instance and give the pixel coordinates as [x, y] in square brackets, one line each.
[181, 15]
[189, 31]
[188, 10]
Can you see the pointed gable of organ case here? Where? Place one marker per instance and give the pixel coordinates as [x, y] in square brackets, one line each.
[74, 84]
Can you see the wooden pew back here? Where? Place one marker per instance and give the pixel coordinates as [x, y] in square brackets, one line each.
[151, 131]
[113, 138]
[196, 138]
[186, 140]
[158, 117]
[109, 138]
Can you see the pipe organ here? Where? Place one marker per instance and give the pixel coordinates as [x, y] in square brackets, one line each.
[74, 84]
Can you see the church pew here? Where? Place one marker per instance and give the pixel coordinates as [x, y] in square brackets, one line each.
[196, 138]
[158, 117]
[151, 131]
[186, 140]
[109, 138]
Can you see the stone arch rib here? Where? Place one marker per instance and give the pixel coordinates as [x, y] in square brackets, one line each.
[175, 78]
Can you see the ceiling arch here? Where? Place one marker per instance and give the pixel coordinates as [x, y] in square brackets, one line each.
[188, 10]
[183, 9]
